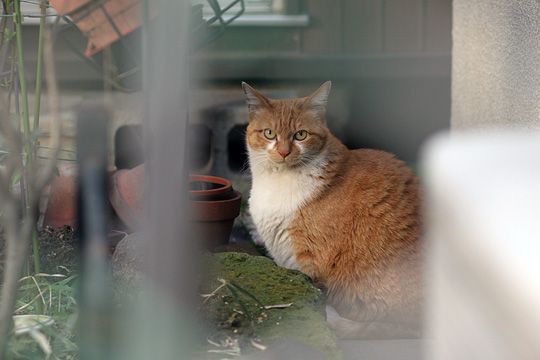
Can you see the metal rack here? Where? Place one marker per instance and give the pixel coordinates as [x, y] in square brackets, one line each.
[203, 33]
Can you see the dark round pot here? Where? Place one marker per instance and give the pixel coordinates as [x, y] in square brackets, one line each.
[215, 205]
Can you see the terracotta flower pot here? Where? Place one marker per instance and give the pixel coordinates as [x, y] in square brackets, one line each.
[209, 188]
[62, 202]
[214, 204]
[104, 22]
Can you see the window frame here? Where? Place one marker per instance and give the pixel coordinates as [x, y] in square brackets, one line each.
[293, 15]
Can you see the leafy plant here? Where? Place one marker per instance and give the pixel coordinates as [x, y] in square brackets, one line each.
[19, 142]
[56, 294]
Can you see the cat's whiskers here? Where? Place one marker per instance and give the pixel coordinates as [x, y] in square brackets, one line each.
[244, 168]
[261, 162]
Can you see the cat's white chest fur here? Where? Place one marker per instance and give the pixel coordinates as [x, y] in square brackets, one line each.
[275, 197]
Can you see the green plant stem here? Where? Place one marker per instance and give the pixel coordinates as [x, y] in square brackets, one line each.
[37, 109]
[35, 251]
[29, 144]
[40, 308]
[27, 162]
[39, 67]
[24, 116]
[22, 78]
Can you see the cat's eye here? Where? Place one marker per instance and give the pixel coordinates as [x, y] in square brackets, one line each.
[301, 135]
[269, 134]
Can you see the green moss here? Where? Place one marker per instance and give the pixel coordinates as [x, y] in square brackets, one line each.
[233, 311]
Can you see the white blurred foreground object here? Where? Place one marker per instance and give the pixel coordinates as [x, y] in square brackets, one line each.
[31, 325]
[483, 216]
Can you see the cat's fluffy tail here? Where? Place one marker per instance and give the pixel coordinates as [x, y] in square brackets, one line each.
[349, 329]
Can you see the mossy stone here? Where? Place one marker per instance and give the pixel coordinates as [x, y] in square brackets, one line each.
[258, 277]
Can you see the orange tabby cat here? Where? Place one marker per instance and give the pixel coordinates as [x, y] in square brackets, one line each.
[349, 219]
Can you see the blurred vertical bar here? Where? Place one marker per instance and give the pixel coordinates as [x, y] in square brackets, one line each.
[163, 318]
[95, 291]
[165, 139]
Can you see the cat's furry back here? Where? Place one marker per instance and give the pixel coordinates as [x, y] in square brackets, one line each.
[347, 218]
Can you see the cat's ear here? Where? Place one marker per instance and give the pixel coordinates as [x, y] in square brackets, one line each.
[255, 100]
[318, 100]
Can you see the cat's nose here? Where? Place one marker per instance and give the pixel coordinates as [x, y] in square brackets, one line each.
[284, 152]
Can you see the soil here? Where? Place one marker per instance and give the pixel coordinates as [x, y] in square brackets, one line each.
[58, 247]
